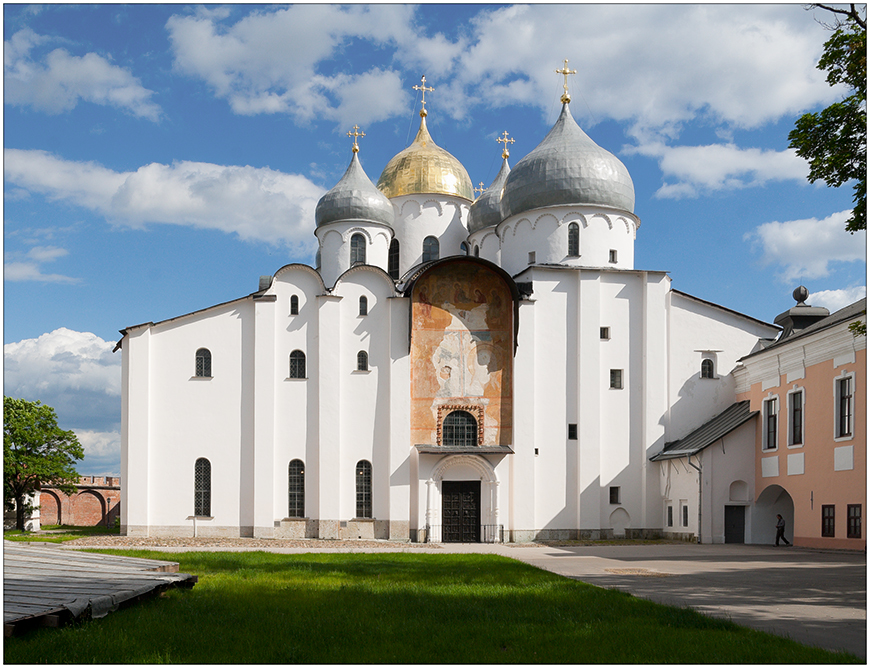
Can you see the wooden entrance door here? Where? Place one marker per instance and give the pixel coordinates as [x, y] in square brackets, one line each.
[460, 511]
[735, 524]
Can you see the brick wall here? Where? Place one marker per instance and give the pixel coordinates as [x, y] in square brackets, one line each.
[97, 502]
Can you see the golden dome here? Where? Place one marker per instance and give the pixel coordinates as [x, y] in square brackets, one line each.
[424, 167]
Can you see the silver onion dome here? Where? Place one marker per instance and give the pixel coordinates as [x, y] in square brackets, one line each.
[354, 197]
[567, 167]
[486, 210]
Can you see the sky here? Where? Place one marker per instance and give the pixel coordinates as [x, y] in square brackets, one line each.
[160, 158]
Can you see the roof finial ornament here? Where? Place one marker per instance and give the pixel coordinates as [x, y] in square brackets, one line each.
[355, 134]
[423, 88]
[566, 97]
[479, 188]
[504, 140]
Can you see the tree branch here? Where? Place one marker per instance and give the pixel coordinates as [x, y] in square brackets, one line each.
[852, 13]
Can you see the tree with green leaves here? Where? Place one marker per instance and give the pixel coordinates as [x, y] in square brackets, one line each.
[35, 452]
[834, 140]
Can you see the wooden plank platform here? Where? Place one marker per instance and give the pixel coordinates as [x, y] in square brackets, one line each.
[44, 585]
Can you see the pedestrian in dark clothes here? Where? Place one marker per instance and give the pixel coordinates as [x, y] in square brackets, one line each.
[780, 530]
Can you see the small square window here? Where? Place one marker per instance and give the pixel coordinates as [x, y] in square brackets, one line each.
[604, 333]
[614, 495]
[612, 256]
[532, 256]
[616, 379]
[572, 432]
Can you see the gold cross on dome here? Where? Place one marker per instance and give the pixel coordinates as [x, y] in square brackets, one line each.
[565, 96]
[355, 134]
[504, 140]
[480, 188]
[424, 89]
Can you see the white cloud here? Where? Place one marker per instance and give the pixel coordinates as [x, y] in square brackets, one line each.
[834, 300]
[100, 443]
[805, 248]
[26, 267]
[715, 167]
[267, 62]
[255, 203]
[58, 81]
[74, 372]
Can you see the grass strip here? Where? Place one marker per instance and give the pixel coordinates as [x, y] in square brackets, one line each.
[258, 607]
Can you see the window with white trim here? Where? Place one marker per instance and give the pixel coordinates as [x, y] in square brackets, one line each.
[362, 361]
[294, 305]
[431, 249]
[616, 379]
[364, 489]
[769, 435]
[707, 368]
[845, 408]
[363, 305]
[796, 417]
[296, 489]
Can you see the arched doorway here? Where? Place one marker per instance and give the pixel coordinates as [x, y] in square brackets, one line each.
[462, 504]
[773, 501]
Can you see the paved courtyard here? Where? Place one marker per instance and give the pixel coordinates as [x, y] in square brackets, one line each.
[815, 597]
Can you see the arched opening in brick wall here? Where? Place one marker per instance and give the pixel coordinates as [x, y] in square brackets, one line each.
[49, 508]
[88, 509]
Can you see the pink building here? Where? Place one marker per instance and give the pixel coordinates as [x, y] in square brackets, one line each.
[808, 388]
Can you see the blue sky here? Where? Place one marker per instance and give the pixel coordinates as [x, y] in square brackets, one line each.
[159, 158]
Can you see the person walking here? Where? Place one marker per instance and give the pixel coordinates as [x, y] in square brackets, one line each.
[780, 531]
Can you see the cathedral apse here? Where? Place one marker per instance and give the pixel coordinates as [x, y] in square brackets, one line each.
[461, 356]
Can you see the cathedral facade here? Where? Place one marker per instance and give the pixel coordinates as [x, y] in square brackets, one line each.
[452, 369]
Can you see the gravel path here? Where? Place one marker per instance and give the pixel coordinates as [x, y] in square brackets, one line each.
[252, 543]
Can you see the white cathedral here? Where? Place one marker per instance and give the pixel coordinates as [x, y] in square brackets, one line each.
[453, 369]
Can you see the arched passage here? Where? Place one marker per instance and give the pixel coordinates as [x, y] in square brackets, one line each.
[50, 508]
[774, 500]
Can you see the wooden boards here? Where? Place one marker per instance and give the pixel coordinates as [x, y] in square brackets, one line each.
[49, 586]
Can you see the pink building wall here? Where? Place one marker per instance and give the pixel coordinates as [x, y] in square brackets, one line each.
[819, 483]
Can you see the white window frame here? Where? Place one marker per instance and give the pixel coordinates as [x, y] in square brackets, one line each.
[790, 415]
[850, 376]
[621, 377]
[765, 418]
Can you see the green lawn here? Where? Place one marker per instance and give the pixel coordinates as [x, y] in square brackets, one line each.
[256, 607]
[58, 533]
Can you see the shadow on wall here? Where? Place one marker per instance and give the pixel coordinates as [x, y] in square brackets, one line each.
[773, 501]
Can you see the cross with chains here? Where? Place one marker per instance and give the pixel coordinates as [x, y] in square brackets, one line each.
[504, 140]
[424, 89]
[356, 134]
[565, 96]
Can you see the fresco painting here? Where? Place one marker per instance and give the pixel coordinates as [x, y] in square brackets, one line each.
[462, 349]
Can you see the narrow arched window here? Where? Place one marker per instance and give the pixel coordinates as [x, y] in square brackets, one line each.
[297, 364]
[476, 251]
[294, 305]
[364, 489]
[431, 249]
[363, 305]
[202, 488]
[706, 368]
[296, 487]
[362, 361]
[463, 248]
[459, 429]
[357, 249]
[574, 240]
[203, 363]
[393, 260]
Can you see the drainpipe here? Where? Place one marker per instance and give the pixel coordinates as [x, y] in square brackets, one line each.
[700, 492]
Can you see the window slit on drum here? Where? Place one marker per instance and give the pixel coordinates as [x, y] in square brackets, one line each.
[357, 249]
[202, 488]
[459, 428]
